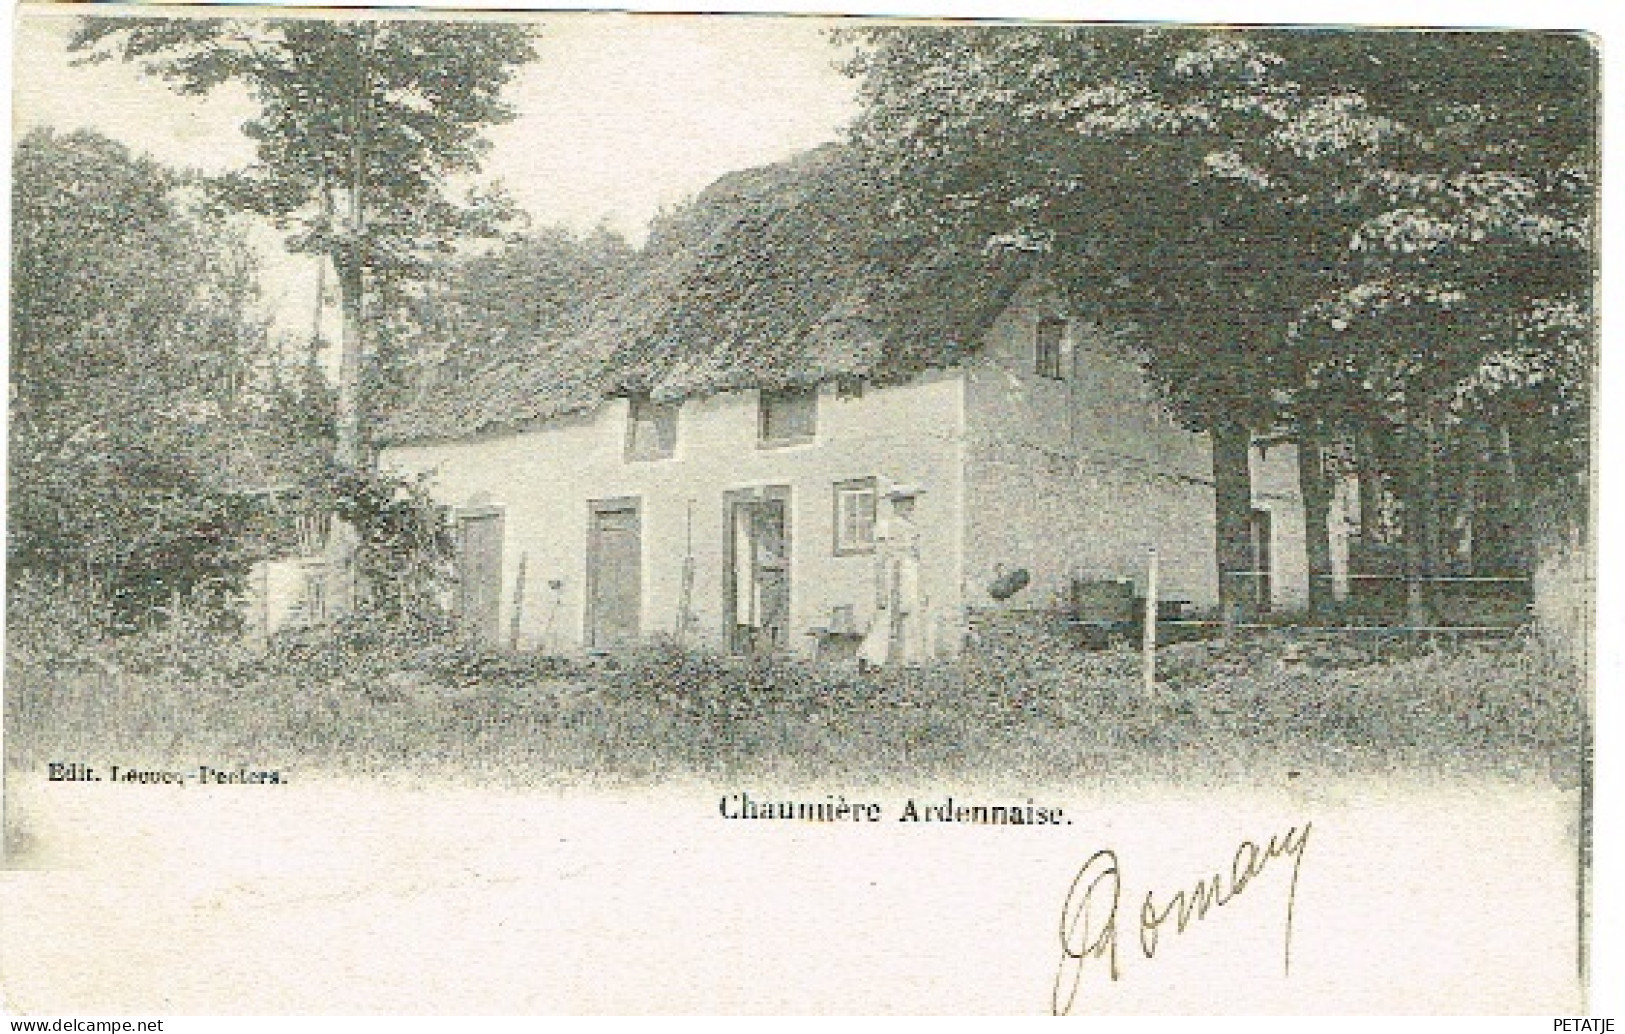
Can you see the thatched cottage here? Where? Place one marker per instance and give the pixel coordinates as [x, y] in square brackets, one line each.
[720, 453]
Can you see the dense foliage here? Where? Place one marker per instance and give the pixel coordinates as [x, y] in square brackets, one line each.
[136, 367]
[405, 542]
[493, 308]
[1213, 186]
[1384, 237]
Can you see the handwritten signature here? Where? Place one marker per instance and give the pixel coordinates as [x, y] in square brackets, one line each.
[1089, 917]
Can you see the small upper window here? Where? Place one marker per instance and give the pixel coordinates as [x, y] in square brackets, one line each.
[789, 416]
[855, 516]
[651, 429]
[1049, 350]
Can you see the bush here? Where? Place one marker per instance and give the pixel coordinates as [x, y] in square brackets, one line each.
[53, 627]
[358, 646]
[376, 695]
[404, 556]
[197, 636]
[372, 648]
[52, 623]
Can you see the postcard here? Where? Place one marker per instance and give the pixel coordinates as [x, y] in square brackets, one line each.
[597, 512]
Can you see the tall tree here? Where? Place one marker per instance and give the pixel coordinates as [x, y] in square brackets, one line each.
[1463, 299]
[1211, 186]
[363, 125]
[1171, 174]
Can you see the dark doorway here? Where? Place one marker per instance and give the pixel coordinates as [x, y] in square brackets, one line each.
[756, 576]
[614, 573]
[1259, 529]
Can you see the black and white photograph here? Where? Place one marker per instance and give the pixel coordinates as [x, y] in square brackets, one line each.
[585, 512]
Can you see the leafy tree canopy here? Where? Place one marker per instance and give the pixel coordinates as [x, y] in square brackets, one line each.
[374, 114]
[1213, 186]
[364, 124]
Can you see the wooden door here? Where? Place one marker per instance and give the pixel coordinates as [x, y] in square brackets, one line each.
[479, 570]
[757, 578]
[614, 574]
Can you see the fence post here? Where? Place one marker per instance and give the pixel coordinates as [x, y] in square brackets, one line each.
[1149, 639]
[518, 603]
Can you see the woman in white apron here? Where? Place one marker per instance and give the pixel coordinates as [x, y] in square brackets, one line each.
[898, 633]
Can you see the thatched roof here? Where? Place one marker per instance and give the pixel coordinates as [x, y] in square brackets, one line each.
[779, 276]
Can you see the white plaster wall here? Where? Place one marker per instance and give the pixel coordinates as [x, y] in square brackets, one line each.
[1343, 526]
[1079, 478]
[543, 480]
[276, 591]
[1083, 520]
[1276, 488]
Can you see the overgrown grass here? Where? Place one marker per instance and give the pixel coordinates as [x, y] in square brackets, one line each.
[1025, 706]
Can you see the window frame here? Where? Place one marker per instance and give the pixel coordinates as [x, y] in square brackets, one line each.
[840, 490]
[766, 397]
[634, 402]
[1056, 369]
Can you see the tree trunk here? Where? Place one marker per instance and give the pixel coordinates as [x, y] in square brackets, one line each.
[1416, 606]
[1370, 473]
[349, 265]
[348, 448]
[349, 269]
[1317, 535]
[1429, 493]
[1429, 490]
[1421, 529]
[1232, 520]
[1517, 544]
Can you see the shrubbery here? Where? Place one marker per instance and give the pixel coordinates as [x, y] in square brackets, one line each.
[405, 545]
[393, 696]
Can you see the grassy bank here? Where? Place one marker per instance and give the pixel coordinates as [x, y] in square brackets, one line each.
[1024, 706]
